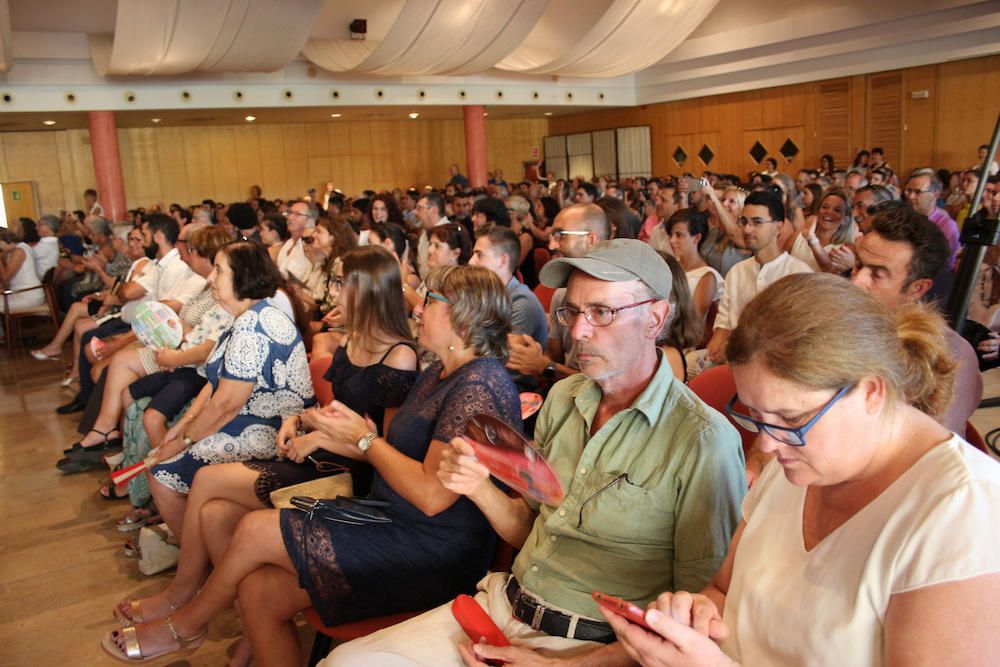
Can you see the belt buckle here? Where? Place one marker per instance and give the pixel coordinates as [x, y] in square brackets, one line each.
[536, 618]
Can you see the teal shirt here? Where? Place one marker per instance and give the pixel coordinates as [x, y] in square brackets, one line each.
[665, 527]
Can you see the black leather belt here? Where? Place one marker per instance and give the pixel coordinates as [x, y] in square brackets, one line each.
[527, 610]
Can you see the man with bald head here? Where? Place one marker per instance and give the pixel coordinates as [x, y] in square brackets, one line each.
[575, 231]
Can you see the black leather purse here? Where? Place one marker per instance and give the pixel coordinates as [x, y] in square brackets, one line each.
[344, 509]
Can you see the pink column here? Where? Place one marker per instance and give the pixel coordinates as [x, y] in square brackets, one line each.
[475, 145]
[107, 164]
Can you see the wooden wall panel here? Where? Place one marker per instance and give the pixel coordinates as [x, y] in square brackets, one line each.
[171, 160]
[34, 156]
[833, 116]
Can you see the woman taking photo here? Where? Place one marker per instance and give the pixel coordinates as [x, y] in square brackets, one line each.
[437, 544]
[832, 227]
[722, 247]
[257, 374]
[688, 227]
[871, 538]
[371, 372]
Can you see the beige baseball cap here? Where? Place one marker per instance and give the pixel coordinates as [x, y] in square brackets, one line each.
[618, 260]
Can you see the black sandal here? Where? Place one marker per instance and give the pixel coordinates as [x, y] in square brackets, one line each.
[108, 492]
[78, 450]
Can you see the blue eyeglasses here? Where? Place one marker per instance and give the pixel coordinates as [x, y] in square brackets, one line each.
[437, 297]
[789, 436]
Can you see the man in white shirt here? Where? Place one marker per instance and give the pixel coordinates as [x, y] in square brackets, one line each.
[430, 213]
[292, 260]
[47, 250]
[761, 220]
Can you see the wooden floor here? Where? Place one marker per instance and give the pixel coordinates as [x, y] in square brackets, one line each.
[62, 567]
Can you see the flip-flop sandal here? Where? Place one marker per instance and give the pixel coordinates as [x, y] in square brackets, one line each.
[133, 652]
[129, 522]
[135, 607]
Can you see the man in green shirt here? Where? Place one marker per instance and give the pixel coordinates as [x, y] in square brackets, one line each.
[653, 482]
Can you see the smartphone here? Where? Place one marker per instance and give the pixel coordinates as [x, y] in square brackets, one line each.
[632, 612]
[478, 624]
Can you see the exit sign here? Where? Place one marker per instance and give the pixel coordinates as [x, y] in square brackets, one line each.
[15, 195]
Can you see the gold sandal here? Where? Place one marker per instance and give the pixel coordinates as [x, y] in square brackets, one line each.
[133, 652]
[136, 611]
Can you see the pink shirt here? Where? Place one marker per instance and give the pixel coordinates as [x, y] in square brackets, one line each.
[949, 227]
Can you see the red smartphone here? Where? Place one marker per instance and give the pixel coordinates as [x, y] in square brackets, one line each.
[632, 612]
[477, 624]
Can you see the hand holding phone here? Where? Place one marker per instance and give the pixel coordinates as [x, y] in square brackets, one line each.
[633, 613]
[477, 624]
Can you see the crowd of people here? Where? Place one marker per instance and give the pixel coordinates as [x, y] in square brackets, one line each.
[855, 529]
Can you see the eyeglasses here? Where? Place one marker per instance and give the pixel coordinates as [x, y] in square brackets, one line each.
[915, 192]
[293, 212]
[617, 480]
[789, 436]
[437, 297]
[328, 466]
[598, 316]
[756, 222]
[557, 234]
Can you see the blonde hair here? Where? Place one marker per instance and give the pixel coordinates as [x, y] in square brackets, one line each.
[848, 229]
[823, 332]
[480, 307]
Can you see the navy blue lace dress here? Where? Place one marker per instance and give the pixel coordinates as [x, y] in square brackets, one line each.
[416, 562]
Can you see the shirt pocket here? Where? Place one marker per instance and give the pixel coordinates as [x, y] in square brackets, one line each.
[621, 511]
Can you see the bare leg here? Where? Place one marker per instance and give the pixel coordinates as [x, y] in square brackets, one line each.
[124, 369]
[270, 597]
[77, 313]
[169, 503]
[230, 481]
[256, 543]
[81, 327]
[155, 425]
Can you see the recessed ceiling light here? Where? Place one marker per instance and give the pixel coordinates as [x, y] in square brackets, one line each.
[548, 113]
[250, 119]
[156, 120]
[48, 122]
[335, 115]
[414, 115]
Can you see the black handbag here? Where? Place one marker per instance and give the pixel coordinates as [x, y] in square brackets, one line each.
[344, 509]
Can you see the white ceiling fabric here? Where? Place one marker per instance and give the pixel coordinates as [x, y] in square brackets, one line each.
[452, 37]
[629, 35]
[170, 37]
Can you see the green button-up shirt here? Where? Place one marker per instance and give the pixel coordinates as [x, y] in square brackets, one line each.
[677, 480]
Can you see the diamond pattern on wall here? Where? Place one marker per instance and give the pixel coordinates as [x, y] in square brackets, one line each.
[758, 152]
[705, 154]
[788, 149]
[680, 157]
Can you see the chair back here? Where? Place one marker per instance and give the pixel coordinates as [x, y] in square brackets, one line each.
[716, 386]
[541, 256]
[973, 438]
[544, 295]
[317, 368]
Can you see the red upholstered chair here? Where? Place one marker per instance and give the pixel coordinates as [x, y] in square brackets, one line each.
[713, 310]
[973, 438]
[503, 558]
[544, 295]
[716, 386]
[317, 367]
[542, 256]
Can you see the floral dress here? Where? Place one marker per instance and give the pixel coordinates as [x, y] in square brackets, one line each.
[263, 347]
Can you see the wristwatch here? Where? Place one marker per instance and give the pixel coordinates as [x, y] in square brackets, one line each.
[365, 443]
[550, 370]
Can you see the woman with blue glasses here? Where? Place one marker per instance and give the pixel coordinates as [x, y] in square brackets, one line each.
[871, 538]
